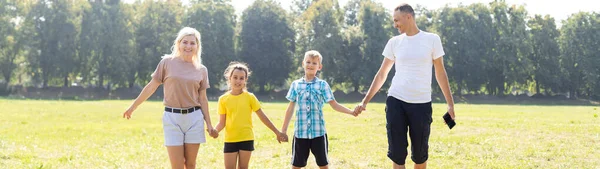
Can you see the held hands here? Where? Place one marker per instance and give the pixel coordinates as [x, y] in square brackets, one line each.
[282, 137]
[359, 108]
[212, 132]
[356, 111]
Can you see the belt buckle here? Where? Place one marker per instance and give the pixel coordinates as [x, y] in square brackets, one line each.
[183, 111]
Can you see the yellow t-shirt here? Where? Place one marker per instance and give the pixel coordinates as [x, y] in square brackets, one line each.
[238, 110]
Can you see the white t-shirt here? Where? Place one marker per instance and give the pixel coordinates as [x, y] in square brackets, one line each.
[413, 57]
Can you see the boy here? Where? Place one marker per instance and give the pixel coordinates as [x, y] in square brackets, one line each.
[310, 93]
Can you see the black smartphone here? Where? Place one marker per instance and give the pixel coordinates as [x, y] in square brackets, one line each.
[449, 120]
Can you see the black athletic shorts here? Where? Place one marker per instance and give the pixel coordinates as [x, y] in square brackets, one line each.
[414, 118]
[319, 147]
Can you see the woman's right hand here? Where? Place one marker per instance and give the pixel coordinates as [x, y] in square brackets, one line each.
[128, 113]
[144, 95]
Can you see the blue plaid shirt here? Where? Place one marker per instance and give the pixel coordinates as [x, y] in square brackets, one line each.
[309, 98]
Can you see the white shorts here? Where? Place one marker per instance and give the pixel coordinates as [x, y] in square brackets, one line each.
[183, 128]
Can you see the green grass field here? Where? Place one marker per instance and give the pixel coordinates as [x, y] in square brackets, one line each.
[92, 134]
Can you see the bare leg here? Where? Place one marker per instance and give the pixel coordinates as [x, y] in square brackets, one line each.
[191, 152]
[176, 156]
[398, 166]
[230, 160]
[421, 166]
[244, 160]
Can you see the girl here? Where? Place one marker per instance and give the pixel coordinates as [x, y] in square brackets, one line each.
[235, 110]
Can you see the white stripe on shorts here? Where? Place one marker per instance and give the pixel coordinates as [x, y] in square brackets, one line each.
[293, 150]
[326, 148]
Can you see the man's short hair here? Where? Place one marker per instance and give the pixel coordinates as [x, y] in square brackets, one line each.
[405, 8]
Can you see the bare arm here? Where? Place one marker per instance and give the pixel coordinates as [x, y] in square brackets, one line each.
[221, 124]
[378, 81]
[337, 107]
[288, 117]
[261, 115]
[442, 79]
[204, 107]
[148, 90]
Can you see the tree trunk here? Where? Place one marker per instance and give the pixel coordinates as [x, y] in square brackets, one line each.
[7, 76]
[45, 75]
[131, 80]
[100, 80]
[459, 92]
[66, 81]
[101, 69]
[537, 85]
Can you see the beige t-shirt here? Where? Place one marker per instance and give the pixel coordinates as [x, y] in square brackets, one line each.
[182, 82]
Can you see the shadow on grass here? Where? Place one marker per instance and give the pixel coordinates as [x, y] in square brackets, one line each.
[353, 97]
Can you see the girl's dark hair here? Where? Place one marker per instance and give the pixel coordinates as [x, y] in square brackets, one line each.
[236, 66]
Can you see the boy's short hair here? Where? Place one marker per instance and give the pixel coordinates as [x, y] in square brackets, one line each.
[312, 54]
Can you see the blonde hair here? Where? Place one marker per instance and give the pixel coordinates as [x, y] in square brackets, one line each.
[187, 31]
[313, 54]
[236, 66]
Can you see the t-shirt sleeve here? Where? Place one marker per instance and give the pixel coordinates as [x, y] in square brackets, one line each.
[222, 108]
[327, 94]
[292, 93]
[204, 83]
[254, 103]
[159, 74]
[438, 50]
[388, 51]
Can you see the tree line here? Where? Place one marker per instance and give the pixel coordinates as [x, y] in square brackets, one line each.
[491, 48]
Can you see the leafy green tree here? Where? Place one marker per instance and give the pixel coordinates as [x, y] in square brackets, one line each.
[267, 43]
[374, 22]
[321, 30]
[508, 65]
[545, 55]
[216, 21]
[156, 29]
[579, 54]
[10, 39]
[465, 40]
[106, 43]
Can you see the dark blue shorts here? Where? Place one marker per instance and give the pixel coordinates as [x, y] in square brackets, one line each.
[403, 117]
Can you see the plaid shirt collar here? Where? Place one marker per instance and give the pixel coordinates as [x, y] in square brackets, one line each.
[310, 82]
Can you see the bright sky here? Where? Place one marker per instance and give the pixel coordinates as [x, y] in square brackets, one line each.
[557, 9]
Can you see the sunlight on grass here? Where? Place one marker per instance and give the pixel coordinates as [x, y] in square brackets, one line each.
[92, 134]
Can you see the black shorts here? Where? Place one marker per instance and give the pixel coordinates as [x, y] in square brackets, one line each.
[403, 117]
[233, 147]
[319, 146]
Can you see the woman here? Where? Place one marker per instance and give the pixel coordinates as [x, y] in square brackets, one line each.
[185, 82]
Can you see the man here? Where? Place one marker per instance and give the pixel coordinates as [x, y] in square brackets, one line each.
[408, 105]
